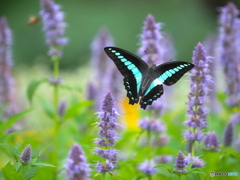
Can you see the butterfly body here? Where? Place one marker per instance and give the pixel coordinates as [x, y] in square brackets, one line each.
[147, 79]
[143, 83]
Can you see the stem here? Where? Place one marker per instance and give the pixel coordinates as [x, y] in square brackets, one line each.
[103, 176]
[149, 177]
[192, 149]
[149, 144]
[56, 118]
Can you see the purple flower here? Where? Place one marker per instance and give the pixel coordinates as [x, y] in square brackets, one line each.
[228, 134]
[211, 141]
[190, 136]
[237, 144]
[180, 163]
[164, 159]
[210, 44]
[110, 154]
[108, 134]
[160, 141]
[229, 42]
[76, 166]
[154, 49]
[54, 27]
[26, 155]
[108, 166]
[200, 80]
[196, 161]
[7, 90]
[235, 118]
[147, 167]
[62, 108]
[55, 81]
[152, 125]
[99, 63]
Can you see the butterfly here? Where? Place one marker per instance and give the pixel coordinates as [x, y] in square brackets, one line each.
[144, 84]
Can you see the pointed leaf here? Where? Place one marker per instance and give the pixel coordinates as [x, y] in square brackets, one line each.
[15, 152]
[10, 173]
[73, 111]
[75, 88]
[11, 120]
[32, 87]
[48, 108]
[29, 171]
[43, 150]
[197, 171]
[43, 165]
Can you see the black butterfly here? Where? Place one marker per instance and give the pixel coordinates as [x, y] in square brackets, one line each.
[144, 82]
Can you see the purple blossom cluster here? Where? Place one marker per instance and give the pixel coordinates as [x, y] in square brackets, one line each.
[228, 134]
[196, 161]
[157, 128]
[183, 161]
[53, 27]
[99, 63]
[7, 91]
[229, 43]
[180, 163]
[147, 167]
[108, 135]
[211, 141]
[26, 155]
[155, 48]
[200, 80]
[76, 166]
[152, 125]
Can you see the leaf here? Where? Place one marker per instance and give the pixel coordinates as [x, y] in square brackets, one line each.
[13, 119]
[75, 88]
[73, 111]
[29, 171]
[10, 173]
[48, 108]
[43, 150]
[198, 171]
[15, 152]
[43, 165]
[97, 174]
[32, 87]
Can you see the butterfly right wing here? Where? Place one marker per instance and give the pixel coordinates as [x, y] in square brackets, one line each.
[131, 67]
[169, 73]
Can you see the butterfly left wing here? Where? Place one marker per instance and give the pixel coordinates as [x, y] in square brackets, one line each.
[155, 93]
[131, 67]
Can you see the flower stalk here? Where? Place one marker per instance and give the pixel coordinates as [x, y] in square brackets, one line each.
[54, 28]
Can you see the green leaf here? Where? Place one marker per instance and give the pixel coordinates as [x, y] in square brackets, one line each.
[43, 165]
[32, 87]
[29, 171]
[10, 173]
[11, 120]
[43, 150]
[67, 87]
[197, 171]
[48, 108]
[15, 152]
[73, 111]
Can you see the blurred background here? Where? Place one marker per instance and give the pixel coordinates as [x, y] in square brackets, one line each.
[188, 22]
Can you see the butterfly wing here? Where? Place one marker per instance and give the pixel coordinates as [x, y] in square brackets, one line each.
[154, 94]
[131, 67]
[169, 73]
